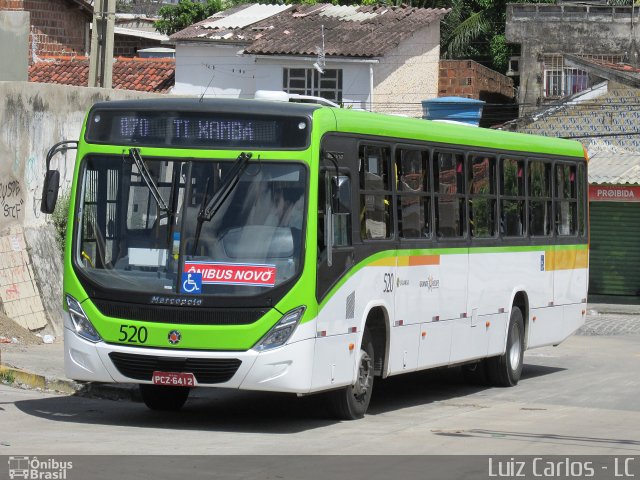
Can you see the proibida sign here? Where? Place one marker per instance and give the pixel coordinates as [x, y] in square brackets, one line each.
[614, 193]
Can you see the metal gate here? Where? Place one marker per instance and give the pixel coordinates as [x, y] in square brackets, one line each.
[614, 258]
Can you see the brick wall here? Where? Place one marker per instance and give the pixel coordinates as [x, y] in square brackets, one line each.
[57, 26]
[127, 46]
[466, 78]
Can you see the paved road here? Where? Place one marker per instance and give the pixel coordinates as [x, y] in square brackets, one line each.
[578, 398]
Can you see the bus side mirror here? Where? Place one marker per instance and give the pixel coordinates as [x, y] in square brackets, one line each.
[50, 191]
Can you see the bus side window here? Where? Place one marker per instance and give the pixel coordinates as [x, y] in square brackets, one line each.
[539, 180]
[566, 200]
[482, 199]
[512, 198]
[450, 195]
[375, 193]
[414, 200]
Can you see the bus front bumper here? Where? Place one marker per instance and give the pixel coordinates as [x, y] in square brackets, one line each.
[284, 369]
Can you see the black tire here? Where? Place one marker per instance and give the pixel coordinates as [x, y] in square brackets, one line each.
[352, 402]
[505, 370]
[159, 397]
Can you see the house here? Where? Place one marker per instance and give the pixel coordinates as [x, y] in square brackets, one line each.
[58, 27]
[546, 33]
[133, 33]
[605, 118]
[140, 74]
[372, 57]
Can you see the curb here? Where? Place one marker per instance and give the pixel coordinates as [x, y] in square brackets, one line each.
[19, 378]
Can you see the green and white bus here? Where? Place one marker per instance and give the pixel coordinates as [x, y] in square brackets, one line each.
[293, 247]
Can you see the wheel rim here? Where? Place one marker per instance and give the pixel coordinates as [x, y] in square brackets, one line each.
[515, 352]
[363, 383]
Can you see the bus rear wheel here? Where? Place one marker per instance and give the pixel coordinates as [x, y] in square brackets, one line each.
[159, 397]
[505, 370]
[352, 402]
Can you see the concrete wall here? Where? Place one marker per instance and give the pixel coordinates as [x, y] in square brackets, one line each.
[565, 29]
[408, 74]
[14, 46]
[33, 118]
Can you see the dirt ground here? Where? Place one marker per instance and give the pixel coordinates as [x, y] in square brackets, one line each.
[10, 329]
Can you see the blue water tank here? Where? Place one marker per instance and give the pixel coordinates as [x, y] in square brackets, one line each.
[458, 109]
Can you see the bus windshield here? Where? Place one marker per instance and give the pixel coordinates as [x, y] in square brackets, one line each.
[141, 236]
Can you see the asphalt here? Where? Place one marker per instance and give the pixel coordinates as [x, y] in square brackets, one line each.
[41, 367]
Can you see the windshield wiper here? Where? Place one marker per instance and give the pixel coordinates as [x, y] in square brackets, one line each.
[134, 153]
[227, 185]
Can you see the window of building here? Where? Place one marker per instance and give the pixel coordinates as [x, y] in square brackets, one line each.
[561, 80]
[308, 81]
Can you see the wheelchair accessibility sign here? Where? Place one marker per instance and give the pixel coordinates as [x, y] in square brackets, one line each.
[191, 283]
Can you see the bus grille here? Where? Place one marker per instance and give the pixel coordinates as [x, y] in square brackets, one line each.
[206, 370]
[180, 315]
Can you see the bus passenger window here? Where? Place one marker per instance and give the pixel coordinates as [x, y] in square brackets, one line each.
[482, 200]
[512, 210]
[414, 201]
[450, 200]
[566, 200]
[375, 193]
[539, 179]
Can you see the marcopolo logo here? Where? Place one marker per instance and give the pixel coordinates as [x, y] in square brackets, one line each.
[38, 469]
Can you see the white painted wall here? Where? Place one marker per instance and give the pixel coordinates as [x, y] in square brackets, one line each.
[408, 74]
[229, 74]
[215, 70]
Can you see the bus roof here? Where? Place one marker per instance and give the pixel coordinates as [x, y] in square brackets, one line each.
[356, 121]
[194, 104]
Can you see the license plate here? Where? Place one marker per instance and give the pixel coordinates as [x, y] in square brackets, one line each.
[174, 379]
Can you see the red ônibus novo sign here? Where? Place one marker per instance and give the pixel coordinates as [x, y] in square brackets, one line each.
[615, 193]
[233, 273]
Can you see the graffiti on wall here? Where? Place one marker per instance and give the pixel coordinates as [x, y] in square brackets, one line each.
[11, 200]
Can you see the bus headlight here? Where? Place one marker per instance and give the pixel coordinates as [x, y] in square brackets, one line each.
[281, 331]
[81, 324]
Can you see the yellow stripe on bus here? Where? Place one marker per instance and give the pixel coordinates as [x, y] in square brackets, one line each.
[407, 261]
[566, 259]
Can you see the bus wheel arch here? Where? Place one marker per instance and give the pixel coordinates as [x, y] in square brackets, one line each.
[377, 324]
[351, 402]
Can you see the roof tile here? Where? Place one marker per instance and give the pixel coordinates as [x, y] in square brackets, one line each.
[142, 74]
[352, 31]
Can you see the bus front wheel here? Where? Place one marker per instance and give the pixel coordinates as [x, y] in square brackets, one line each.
[505, 370]
[159, 397]
[352, 402]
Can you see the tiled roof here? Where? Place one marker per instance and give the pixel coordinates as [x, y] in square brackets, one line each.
[614, 168]
[141, 74]
[353, 31]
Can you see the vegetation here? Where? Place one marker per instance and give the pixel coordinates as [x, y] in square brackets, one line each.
[174, 18]
[7, 377]
[59, 217]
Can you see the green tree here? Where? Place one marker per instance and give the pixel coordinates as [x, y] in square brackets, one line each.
[174, 18]
[476, 30]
